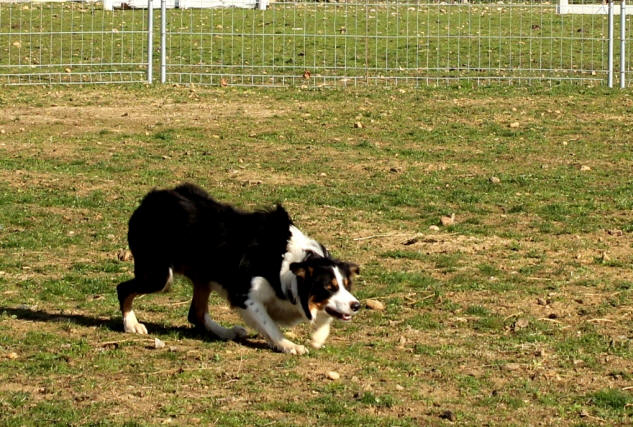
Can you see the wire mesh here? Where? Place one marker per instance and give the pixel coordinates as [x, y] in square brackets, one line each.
[309, 43]
[71, 43]
[386, 42]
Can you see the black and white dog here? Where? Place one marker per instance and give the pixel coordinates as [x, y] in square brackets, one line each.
[269, 271]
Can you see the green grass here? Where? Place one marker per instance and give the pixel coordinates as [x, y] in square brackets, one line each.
[549, 244]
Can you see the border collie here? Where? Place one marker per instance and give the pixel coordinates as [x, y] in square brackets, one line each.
[269, 271]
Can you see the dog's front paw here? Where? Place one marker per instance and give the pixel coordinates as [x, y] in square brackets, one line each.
[287, 346]
[316, 344]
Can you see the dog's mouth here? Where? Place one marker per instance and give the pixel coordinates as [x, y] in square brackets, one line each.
[337, 314]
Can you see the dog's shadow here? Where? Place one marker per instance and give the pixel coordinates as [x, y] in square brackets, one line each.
[115, 324]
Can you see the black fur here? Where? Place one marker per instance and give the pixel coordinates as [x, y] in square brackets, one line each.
[186, 230]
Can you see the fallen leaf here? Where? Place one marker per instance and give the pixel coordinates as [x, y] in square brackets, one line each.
[333, 375]
[448, 220]
[448, 415]
[124, 255]
[411, 241]
[373, 304]
[521, 323]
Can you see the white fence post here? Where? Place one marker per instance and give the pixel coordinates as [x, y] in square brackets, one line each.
[150, 41]
[163, 44]
[563, 7]
[610, 50]
[623, 44]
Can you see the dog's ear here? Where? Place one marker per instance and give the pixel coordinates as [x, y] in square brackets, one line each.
[353, 268]
[301, 270]
[311, 255]
[350, 268]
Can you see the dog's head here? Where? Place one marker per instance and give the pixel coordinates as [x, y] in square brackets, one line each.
[325, 284]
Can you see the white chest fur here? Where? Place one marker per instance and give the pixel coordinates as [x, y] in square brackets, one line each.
[283, 312]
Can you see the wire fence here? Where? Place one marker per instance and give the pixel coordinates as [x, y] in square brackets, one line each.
[71, 42]
[308, 43]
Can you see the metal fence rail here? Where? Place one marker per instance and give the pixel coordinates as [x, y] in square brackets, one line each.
[393, 42]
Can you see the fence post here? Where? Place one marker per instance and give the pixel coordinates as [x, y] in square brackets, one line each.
[623, 44]
[150, 41]
[262, 4]
[163, 44]
[610, 50]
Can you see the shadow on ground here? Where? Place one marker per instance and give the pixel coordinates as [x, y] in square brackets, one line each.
[114, 324]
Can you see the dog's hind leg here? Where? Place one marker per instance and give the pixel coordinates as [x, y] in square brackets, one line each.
[199, 315]
[143, 283]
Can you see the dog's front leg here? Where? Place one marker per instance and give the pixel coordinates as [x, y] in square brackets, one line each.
[256, 316]
[321, 329]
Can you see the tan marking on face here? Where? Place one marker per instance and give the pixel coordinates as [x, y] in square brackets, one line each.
[312, 305]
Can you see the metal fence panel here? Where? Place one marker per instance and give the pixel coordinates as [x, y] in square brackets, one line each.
[71, 42]
[305, 42]
[386, 42]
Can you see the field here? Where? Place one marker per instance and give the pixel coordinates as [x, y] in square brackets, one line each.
[517, 313]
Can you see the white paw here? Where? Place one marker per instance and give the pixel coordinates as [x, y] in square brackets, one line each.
[289, 347]
[135, 328]
[132, 326]
[316, 344]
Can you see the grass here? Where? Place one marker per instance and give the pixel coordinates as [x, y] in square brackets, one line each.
[549, 245]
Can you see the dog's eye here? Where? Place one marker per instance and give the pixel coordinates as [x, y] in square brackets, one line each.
[347, 283]
[332, 286]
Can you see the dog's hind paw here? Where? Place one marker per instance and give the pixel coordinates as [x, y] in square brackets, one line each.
[131, 325]
[137, 328]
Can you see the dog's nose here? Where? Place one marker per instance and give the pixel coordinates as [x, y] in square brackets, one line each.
[355, 306]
